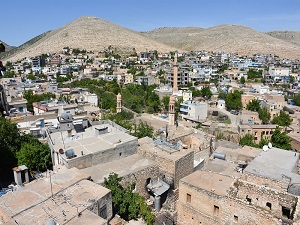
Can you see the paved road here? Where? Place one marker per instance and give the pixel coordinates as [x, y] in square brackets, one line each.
[235, 119]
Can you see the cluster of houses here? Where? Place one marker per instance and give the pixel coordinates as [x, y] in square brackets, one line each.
[189, 176]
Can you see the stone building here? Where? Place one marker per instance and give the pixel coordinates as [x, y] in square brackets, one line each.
[258, 131]
[250, 187]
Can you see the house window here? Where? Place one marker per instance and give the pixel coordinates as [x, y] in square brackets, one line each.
[188, 198]
[216, 210]
[267, 132]
[248, 199]
[286, 212]
[269, 205]
[103, 212]
[236, 218]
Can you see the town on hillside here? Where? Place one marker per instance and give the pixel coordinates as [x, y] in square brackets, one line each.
[114, 137]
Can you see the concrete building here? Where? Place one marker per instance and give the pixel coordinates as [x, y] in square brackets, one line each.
[250, 118]
[194, 111]
[85, 145]
[58, 197]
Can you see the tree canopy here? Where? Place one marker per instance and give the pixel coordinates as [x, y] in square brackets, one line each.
[280, 139]
[283, 119]
[126, 204]
[233, 100]
[264, 115]
[18, 148]
[253, 105]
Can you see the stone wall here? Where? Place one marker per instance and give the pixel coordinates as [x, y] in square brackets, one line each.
[119, 151]
[141, 177]
[183, 167]
[262, 181]
[208, 208]
[266, 198]
[105, 201]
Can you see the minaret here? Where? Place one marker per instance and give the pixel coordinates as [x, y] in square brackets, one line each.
[172, 111]
[175, 76]
[119, 103]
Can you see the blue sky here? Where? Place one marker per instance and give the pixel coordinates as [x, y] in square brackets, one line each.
[22, 20]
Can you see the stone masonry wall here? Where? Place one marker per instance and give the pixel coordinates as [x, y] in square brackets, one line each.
[209, 208]
[183, 167]
[140, 178]
[265, 197]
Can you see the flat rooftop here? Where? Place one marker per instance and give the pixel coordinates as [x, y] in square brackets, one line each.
[236, 154]
[88, 142]
[33, 204]
[148, 145]
[222, 167]
[212, 182]
[274, 163]
[122, 167]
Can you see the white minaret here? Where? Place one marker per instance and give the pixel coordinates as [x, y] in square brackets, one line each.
[175, 72]
[119, 103]
[172, 111]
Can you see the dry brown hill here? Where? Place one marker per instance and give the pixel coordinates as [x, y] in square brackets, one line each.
[289, 36]
[91, 33]
[230, 38]
[175, 36]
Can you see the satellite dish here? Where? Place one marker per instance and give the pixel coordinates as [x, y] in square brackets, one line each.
[270, 145]
[265, 148]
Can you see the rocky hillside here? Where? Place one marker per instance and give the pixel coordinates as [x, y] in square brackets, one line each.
[175, 36]
[230, 38]
[7, 47]
[289, 36]
[91, 33]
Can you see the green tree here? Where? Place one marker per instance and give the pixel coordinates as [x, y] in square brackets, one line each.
[31, 98]
[292, 79]
[253, 105]
[10, 143]
[34, 154]
[280, 139]
[233, 100]
[206, 92]
[142, 129]
[243, 80]
[283, 119]
[264, 115]
[248, 140]
[127, 204]
[296, 99]
[165, 102]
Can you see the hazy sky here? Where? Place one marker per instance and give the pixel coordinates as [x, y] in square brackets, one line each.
[22, 20]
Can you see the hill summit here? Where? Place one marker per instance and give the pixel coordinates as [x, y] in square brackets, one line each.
[91, 33]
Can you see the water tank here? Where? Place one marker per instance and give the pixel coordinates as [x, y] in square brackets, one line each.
[219, 155]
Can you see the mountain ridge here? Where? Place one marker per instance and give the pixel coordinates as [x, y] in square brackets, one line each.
[93, 33]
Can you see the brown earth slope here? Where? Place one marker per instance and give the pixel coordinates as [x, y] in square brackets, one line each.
[229, 38]
[91, 33]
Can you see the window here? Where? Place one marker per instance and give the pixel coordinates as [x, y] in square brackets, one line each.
[269, 205]
[248, 199]
[102, 212]
[236, 218]
[216, 210]
[188, 198]
[286, 212]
